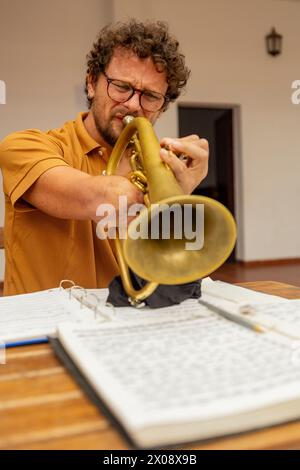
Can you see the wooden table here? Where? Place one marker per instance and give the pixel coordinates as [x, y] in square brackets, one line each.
[41, 407]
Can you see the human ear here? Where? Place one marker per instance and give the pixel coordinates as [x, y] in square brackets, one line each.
[90, 87]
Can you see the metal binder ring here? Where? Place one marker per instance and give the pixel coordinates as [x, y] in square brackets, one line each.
[61, 284]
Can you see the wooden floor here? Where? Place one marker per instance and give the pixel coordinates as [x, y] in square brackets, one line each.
[239, 272]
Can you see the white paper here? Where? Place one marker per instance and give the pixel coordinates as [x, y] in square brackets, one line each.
[157, 370]
[35, 315]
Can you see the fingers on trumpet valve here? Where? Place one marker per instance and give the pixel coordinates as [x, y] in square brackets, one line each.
[182, 156]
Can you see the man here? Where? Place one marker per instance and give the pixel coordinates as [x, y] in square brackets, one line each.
[54, 181]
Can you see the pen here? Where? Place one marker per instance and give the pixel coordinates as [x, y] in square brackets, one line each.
[233, 317]
[26, 342]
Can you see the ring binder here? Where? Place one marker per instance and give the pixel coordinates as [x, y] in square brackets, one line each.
[82, 291]
[31, 318]
[85, 300]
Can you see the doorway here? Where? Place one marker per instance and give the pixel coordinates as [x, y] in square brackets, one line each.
[216, 125]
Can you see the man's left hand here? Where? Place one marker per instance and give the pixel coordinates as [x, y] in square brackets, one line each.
[191, 172]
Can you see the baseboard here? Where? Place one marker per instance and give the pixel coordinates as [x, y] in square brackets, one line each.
[269, 262]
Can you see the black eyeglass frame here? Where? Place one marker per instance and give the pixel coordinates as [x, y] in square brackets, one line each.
[133, 91]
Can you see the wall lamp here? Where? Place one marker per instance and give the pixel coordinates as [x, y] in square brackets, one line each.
[274, 43]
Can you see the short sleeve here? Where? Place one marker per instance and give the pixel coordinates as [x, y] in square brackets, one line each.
[24, 157]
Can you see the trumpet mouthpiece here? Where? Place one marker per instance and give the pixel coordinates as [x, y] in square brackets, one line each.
[127, 119]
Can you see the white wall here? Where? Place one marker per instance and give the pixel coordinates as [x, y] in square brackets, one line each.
[43, 45]
[223, 41]
[42, 60]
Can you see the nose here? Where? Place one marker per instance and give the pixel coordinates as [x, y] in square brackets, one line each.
[133, 104]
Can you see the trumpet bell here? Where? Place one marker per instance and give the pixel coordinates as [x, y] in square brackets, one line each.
[169, 257]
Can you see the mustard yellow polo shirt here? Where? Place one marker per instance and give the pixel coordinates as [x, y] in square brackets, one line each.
[41, 250]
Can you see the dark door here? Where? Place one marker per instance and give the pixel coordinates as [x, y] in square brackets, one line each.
[216, 125]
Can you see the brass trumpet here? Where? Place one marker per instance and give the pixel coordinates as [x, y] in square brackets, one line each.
[165, 261]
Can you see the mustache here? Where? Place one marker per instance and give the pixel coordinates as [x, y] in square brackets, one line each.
[121, 113]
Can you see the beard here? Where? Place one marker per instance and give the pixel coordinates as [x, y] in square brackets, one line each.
[107, 132]
[110, 130]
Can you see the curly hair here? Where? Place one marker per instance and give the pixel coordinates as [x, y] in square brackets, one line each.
[145, 39]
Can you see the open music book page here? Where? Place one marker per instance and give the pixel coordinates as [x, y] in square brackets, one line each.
[237, 294]
[195, 375]
[30, 316]
[268, 311]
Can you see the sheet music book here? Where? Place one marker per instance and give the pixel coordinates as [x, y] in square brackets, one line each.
[28, 317]
[174, 379]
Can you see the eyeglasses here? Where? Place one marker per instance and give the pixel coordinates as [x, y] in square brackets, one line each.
[121, 92]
